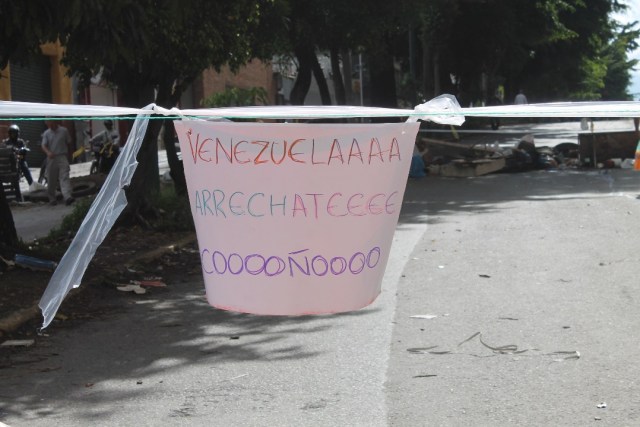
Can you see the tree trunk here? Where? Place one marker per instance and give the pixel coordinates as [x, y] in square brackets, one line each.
[427, 71]
[176, 167]
[169, 93]
[145, 183]
[346, 75]
[325, 96]
[303, 79]
[383, 83]
[8, 233]
[436, 73]
[338, 84]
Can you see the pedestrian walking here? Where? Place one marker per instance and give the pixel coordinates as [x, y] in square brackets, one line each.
[56, 143]
[521, 98]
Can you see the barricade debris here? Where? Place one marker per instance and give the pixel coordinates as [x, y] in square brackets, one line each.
[132, 288]
[457, 159]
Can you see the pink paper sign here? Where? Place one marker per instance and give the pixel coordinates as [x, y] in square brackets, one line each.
[294, 219]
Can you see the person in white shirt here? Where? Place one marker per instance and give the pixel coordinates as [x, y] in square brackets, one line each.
[56, 143]
[521, 99]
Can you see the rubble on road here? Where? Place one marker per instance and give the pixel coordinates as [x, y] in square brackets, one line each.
[457, 159]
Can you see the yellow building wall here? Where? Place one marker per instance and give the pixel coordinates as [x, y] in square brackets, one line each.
[60, 82]
[5, 84]
[61, 89]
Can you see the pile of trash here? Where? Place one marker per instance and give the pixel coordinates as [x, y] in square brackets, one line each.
[456, 159]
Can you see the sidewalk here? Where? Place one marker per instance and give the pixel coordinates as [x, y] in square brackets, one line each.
[34, 220]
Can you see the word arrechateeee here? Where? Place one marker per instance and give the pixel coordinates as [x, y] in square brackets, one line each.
[217, 203]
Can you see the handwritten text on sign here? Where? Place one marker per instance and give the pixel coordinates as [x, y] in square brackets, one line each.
[294, 218]
[214, 201]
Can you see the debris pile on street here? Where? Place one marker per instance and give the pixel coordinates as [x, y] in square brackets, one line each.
[459, 159]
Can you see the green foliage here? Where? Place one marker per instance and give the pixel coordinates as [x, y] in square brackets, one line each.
[163, 44]
[594, 71]
[237, 97]
[615, 55]
[25, 25]
[152, 50]
[174, 212]
[554, 49]
[339, 26]
[72, 222]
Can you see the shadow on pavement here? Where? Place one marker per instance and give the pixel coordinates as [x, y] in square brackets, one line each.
[429, 198]
[151, 337]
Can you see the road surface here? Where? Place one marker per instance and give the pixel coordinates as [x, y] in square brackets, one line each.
[525, 291]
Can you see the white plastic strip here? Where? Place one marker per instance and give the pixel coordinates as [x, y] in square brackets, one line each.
[613, 109]
[103, 213]
[35, 109]
[13, 109]
[444, 106]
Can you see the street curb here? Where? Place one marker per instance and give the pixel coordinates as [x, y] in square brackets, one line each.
[15, 320]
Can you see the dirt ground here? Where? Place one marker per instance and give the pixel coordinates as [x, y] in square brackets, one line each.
[118, 261]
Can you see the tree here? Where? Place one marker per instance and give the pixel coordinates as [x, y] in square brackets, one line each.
[25, 26]
[435, 28]
[572, 67]
[160, 47]
[336, 26]
[618, 78]
[8, 233]
[489, 43]
[306, 18]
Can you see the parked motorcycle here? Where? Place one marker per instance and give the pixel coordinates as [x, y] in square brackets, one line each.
[105, 148]
[21, 155]
[104, 156]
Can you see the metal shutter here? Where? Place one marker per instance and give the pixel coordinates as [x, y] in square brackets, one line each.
[32, 83]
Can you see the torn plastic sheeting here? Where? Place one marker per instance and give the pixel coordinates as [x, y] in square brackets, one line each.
[442, 109]
[104, 211]
[132, 288]
[37, 109]
[614, 109]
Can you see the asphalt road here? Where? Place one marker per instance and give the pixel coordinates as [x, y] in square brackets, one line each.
[542, 264]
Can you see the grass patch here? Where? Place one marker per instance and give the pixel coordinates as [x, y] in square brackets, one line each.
[72, 222]
[174, 212]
